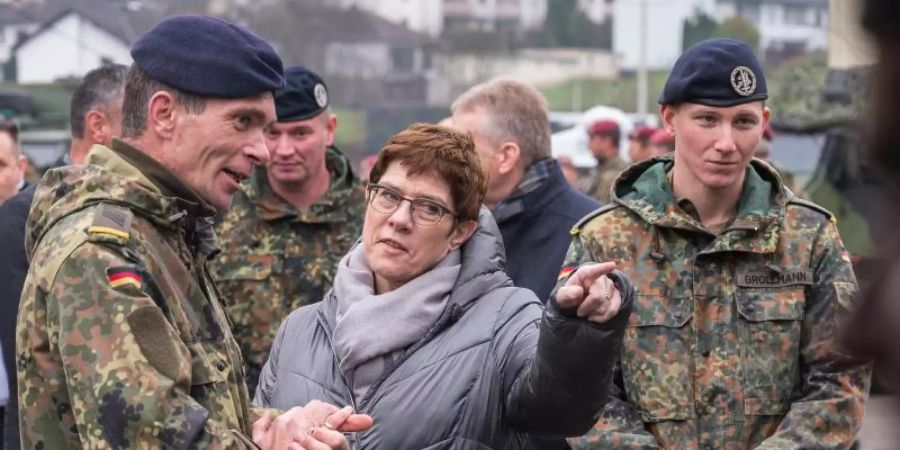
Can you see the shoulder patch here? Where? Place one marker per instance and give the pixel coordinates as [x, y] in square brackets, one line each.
[111, 220]
[125, 275]
[576, 229]
[813, 206]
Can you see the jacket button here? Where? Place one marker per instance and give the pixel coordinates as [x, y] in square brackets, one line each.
[705, 353]
[221, 366]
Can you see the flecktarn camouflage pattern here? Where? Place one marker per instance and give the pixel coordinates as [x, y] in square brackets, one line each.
[121, 340]
[732, 341]
[276, 258]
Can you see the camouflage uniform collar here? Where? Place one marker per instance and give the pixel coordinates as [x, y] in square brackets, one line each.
[161, 179]
[329, 208]
[645, 189]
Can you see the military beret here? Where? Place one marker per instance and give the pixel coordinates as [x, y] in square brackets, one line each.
[642, 133]
[661, 137]
[303, 96]
[604, 127]
[716, 72]
[207, 56]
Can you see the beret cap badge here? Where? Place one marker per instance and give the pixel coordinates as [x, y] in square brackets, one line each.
[743, 80]
[321, 95]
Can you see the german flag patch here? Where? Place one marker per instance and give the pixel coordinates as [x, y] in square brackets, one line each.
[121, 276]
[565, 272]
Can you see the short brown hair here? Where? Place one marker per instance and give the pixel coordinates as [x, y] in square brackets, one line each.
[426, 149]
[518, 113]
[139, 88]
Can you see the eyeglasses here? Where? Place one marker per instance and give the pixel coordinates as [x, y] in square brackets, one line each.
[426, 213]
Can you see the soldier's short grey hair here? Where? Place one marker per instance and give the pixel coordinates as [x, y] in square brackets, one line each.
[516, 112]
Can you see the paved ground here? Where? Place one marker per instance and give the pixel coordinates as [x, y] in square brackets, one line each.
[881, 426]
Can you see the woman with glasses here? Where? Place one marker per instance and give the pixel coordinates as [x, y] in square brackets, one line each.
[424, 330]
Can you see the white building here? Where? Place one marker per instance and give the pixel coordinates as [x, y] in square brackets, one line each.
[490, 15]
[597, 10]
[784, 25]
[795, 26]
[423, 16]
[69, 45]
[538, 67]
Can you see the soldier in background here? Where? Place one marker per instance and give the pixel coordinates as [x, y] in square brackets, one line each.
[662, 143]
[295, 219]
[740, 286]
[603, 142]
[122, 341]
[639, 143]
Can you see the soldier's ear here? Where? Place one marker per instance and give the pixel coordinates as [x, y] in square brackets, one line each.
[667, 115]
[162, 114]
[510, 155]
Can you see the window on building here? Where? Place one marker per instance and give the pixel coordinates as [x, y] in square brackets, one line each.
[749, 11]
[403, 59]
[796, 15]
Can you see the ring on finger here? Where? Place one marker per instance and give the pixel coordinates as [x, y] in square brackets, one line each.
[328, 426]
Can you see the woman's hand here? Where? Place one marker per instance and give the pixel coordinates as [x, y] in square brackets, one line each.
[590, 291]
[322, 422]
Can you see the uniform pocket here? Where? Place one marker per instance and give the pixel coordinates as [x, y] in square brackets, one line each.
[656, 361]
[211, 380]
[770, 332]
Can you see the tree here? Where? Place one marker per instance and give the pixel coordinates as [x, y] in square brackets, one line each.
[697, 28]
[738, 28]
[566, 25]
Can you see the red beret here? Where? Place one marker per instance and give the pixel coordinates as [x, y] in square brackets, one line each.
[642, 132]
[604, 127]
[661, 137]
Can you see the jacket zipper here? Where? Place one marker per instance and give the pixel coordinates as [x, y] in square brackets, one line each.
[354, 438]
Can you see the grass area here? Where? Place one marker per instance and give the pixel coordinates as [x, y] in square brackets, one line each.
[620, 93]
[351, 130]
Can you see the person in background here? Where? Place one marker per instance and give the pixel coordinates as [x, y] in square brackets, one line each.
[662, 143]
[95, 117]
[288, 227]
[603, 142]
[532, 202]
[365, 167]
[569, 171]
[741, 287]
[639, 143]
[12, 161]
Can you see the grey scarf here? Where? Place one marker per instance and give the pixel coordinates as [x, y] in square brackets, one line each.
[372, 329]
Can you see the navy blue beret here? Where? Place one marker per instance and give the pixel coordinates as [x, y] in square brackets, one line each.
[716, 72]
[303, 96]
[207, 56]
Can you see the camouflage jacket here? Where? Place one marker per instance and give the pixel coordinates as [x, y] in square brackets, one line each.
[731, 343]
[276, 258]
[121, 340]
[605, 177]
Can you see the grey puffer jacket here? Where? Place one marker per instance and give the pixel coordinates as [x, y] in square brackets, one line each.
[495, 365]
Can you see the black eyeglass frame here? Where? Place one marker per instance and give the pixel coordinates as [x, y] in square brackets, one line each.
[445, 211]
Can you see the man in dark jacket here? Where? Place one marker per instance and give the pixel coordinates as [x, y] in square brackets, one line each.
[532, 202]
[96, 116]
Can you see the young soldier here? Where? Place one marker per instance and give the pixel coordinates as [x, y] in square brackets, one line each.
[740, 286]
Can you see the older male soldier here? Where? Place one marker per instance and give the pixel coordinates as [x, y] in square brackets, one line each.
[740, 286]
[96, 116]
[532, 202]
[286, 231]
[121, 339]
[603, 142]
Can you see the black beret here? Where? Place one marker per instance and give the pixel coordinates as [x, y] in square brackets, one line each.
[304, 95]
[716, 72]
[208, 56]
